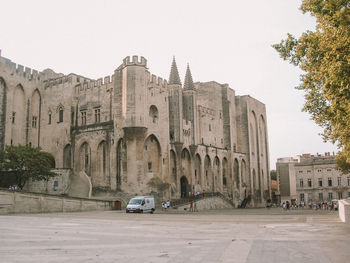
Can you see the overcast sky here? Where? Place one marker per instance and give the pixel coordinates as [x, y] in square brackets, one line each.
[226, 41]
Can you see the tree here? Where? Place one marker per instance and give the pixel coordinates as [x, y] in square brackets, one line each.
[324, 56]
[27, 162]
[273, 175]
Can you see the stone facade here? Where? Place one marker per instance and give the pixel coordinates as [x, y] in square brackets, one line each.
[118, 132]
[310, 179]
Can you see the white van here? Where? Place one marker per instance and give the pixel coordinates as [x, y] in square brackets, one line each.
[141, 204]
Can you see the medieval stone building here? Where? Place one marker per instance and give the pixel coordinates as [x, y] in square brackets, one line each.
[115, 134]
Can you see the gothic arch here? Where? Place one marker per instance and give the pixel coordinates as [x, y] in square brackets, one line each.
[34, 119]
[224, 172]
[217, 175]
[236, 172]
[100, 179]
[198, 170]
[173, 172]
[19, 121]
[121, 162]
[67, 156]
[3, 102]
[152, 155]
[85, 158]
[207, 172]
[153, 114]
[186, 163]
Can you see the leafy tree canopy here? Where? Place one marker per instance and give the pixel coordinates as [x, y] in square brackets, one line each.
[273, 175]
[27, 162]
[324, 56]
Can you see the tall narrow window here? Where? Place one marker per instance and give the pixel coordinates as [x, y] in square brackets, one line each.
[13, 117]
[340, 195]
[339, 181]
[329, 181]
[330, 196]
[34, 120]
[320, 182]
[320, 196]
[302, 197]
[49, 122]
[97, 115]
[348, 180]
[72, 118]
[60, 115]
[301, 183]
[309, 183]
[83, 117]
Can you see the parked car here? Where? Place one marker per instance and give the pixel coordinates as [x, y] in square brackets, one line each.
[141, 204]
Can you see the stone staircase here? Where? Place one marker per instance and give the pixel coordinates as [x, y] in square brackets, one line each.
[175, 203]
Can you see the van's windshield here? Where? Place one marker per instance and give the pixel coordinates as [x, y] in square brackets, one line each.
[135, 201]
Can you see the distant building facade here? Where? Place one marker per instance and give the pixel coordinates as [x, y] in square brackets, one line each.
[117, 133]
[308, 178]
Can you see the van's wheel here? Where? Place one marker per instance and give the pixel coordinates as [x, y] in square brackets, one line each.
[141, 211]
[152, 211]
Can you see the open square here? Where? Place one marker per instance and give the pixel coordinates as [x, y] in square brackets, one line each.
[249, 235]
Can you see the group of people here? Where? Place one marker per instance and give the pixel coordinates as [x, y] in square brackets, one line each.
[165, 205]
[13, 187]
[193, 206]
[316, 206]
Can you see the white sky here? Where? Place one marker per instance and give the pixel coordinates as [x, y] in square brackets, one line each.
[226, 41]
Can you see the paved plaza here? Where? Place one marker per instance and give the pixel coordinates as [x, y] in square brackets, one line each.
[250, 235]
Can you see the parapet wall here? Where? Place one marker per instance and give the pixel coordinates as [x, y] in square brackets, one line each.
[12, 202]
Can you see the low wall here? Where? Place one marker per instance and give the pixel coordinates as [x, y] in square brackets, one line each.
[209, 203]
[24, 202]
[344, 211]
[56, 185]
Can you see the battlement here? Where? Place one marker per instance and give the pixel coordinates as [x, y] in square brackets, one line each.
[156, 81]
[135, 61]
[19, 70]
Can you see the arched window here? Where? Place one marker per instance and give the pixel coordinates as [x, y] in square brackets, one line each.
[60, 115]
[153, 113]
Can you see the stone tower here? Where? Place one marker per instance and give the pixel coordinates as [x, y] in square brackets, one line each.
[189, 106]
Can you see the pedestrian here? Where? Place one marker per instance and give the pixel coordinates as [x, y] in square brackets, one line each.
[191, 206]
[195, 206]
[167, 204]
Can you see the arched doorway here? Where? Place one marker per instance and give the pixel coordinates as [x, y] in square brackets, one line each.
[85, 159]
[184, 187]
[198, 172]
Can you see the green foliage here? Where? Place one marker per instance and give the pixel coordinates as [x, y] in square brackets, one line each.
[273, 175]
[324, 56]
[27, 162]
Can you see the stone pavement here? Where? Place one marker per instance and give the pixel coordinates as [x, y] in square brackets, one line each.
[247, 235]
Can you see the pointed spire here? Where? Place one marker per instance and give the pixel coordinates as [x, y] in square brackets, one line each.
[174, 77]
[188, 80]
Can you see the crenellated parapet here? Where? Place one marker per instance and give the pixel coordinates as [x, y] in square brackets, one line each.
[19, 70]
[154, 81]
[134, 61]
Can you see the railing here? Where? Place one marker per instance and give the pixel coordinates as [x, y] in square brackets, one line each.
[245, 201]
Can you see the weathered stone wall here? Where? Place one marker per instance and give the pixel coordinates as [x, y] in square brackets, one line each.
[344, 211]
[209, 204]
[20, 202]
[58, 185]
[118, 132]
